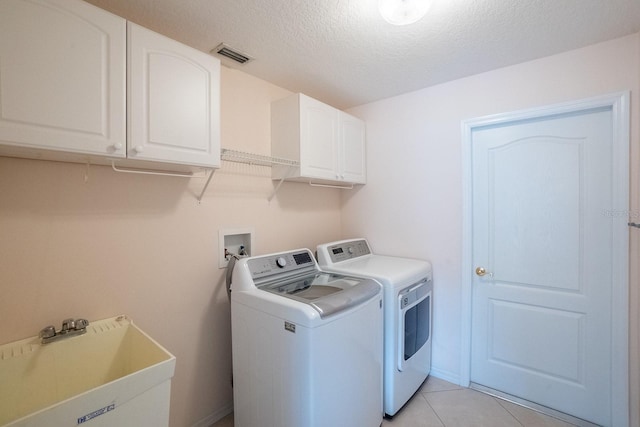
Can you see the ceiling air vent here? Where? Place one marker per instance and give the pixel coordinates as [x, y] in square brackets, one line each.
[230, 53]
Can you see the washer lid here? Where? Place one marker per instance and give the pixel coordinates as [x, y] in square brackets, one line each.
[327, 293]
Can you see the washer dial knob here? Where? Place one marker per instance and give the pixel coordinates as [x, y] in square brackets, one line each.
[281, 262]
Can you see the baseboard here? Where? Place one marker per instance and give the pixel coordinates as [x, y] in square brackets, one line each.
[446, 375]
[216, 416]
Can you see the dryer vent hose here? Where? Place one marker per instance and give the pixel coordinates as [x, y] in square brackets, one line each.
[231, 265]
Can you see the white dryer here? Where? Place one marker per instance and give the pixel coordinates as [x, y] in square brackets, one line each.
[307, 345]
[408, 299]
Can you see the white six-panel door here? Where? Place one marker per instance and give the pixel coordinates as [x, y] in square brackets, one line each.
[545, 253]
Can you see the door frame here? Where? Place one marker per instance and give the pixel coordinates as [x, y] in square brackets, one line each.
[619, 104]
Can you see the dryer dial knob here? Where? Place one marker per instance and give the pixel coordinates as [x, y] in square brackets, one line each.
[281, 262]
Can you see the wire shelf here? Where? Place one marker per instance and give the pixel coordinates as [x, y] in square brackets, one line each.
[254, 159]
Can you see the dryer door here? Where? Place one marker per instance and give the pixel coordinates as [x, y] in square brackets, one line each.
[415, 320]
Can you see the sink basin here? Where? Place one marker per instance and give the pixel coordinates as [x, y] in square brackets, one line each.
[114, 375]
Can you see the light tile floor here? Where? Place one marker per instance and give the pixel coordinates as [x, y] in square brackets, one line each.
[439, 403]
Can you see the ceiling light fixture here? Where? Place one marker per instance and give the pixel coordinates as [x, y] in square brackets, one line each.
[403, 12]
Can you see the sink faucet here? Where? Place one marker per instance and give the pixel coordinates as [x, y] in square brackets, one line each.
[70, 328]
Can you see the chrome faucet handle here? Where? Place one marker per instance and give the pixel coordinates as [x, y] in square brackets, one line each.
[81, 324]
[48, 332]
[67, 325]
[70, 328]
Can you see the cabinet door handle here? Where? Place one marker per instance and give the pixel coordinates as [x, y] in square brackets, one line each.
[117, 146]
[138, 149]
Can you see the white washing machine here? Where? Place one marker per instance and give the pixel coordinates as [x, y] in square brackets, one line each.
[307, 345]
[408, 299]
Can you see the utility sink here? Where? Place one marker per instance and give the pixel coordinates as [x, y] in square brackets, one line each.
[114, 375]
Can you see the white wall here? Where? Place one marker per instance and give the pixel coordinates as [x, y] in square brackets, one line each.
[412, 204]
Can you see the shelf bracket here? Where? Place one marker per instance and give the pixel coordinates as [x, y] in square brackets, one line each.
[205, 186]
[288, 173]
[275, 190]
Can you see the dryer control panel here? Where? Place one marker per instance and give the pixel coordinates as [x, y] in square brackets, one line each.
[348, 250]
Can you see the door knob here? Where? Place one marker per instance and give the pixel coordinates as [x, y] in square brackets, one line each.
[481, 271]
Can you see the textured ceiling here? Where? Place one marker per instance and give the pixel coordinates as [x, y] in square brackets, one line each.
[343, 53]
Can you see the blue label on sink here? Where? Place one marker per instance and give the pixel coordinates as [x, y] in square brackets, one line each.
[97, 413]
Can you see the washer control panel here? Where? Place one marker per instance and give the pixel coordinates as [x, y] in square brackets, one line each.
[261, 267]
[348, 250]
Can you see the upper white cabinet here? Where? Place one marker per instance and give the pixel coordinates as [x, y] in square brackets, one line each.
[351, 160]
[62, 77]
[78, 80]
[328, 143]
[174, 106]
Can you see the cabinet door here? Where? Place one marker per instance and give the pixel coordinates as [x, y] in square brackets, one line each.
[352, 150]
[174, 101]
[62, 76]
[318, 139]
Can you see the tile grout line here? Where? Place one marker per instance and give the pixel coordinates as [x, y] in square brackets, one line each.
[432, 408]
[507, 409]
